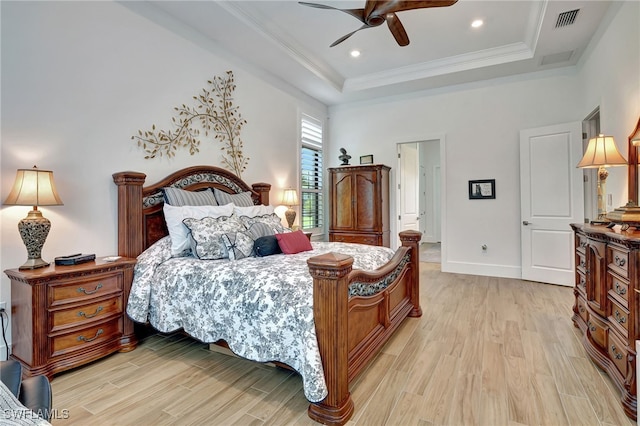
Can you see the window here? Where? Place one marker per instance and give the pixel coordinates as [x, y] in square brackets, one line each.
[312, 218]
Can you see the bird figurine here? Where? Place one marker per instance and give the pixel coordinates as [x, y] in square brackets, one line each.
[344, 157]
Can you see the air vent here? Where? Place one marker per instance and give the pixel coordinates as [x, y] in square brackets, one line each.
[557, 58]
[567, 18]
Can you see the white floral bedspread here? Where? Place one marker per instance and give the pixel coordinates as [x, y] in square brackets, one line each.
[261, 306]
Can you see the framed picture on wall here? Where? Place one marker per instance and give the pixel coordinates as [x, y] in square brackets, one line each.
[482, 189]
[366, 159]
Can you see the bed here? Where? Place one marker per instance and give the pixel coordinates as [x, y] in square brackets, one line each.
[352, 311]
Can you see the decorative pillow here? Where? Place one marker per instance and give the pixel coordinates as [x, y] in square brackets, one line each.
[242, 199]
[252, 211]
[259, 229]
[293, 242]
[179, 233]
[272, 220]
[206, 233]
[181, 197]
[266, 246]
[238, 244]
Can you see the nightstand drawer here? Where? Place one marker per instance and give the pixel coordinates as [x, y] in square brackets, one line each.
[70, 317]
[86, 337]
[76, 290]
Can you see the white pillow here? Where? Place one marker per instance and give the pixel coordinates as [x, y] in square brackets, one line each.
[179, 233]
[253, 211]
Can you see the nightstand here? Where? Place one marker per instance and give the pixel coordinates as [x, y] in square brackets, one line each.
[66, 316]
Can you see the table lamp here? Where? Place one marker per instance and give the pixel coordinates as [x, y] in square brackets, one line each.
[290, 199]
[602, 153]
[34, 187]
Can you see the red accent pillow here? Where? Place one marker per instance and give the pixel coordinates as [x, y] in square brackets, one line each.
[293, 242]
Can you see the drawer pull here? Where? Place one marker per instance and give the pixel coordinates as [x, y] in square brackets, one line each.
[98, 310]
[621, 319]
[581, 308]
[619, 261]
[90, 339]
[617, 354]
[620, 290]
[82, 290]
[592, 328]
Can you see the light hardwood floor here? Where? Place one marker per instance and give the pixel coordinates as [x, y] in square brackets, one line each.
[487, 351]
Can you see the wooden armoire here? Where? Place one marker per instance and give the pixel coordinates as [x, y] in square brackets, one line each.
[359, 204]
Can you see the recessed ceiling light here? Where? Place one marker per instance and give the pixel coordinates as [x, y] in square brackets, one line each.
[477, 23]
[355, 53]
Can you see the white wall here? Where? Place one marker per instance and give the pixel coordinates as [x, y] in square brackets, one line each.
[610, 79]
[481, 124]
[79, 79]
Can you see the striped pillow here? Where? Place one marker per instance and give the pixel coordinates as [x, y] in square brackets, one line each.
[180, 197]
[242, 199]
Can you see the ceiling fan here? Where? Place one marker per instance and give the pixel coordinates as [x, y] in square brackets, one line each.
[376, 12]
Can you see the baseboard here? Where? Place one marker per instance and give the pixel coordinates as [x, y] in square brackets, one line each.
[483, 269]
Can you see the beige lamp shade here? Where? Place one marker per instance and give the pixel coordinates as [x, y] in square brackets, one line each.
[34, 187]
[290, 197]
[601, 151]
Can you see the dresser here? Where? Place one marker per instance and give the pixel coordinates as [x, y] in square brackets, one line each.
[359, 201]
[607, 303]
[66, 316]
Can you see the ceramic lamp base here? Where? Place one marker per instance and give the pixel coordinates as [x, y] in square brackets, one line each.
[34, 230]
[291, 216]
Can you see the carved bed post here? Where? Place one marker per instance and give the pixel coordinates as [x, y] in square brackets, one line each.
[130, 224]
[412, 239]
[330, 306]
[262, 189]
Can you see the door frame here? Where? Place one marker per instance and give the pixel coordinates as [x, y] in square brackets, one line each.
[441, 139]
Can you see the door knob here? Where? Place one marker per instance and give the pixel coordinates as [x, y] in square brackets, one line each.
[525, 222]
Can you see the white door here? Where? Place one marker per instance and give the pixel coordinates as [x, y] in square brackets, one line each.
[551, 198]
[409, 186]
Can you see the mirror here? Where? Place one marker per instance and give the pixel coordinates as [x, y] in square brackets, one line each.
[633, 163]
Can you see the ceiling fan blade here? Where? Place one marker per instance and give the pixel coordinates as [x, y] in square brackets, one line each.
[399, 6]
[356, 13]
[344, 37]
[397, 29]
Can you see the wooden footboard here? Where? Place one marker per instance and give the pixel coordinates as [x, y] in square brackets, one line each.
[352, 329]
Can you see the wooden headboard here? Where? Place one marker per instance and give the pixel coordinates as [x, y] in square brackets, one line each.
[140, 217]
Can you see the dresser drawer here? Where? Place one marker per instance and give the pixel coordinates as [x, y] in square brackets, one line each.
[70, 317]
[354, 238]
[618, 353]
[581, 262]
[598, 331]
[619, 317]
[582, 309]
[77, 290]
[581, 243]
[84, 338]
[581, 282]
[619, 261]
[620, 288]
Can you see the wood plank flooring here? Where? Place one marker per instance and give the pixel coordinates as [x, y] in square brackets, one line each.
[487, 351]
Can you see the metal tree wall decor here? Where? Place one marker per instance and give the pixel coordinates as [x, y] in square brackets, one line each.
[213, 113]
